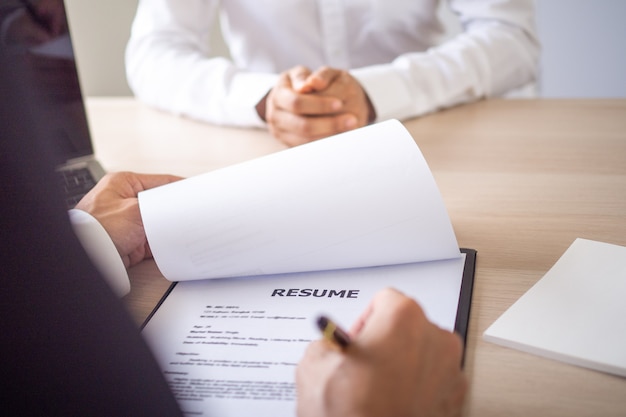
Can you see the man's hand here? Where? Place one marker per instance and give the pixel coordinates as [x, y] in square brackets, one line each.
[113, 202]
[306, 106]
[398, 364]
[340, 84]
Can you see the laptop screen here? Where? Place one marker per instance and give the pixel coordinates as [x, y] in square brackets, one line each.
[39, 37]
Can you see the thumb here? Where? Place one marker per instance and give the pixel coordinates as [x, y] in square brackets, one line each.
[300, 79]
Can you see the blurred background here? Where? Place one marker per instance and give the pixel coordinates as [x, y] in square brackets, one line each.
[583, 46]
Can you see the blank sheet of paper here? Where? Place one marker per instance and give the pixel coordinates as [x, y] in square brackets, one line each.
[576, 313]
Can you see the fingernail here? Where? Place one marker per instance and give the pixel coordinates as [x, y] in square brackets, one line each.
[350, 122]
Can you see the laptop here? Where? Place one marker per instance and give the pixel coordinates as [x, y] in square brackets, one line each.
[62, 111]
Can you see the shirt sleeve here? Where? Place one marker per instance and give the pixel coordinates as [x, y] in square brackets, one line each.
[169, 38]
[101, 250]
[497, 51]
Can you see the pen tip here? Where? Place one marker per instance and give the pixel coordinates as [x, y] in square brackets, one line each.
[322, 322]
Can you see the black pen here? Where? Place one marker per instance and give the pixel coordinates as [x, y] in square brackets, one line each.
[332, 332]
[34, 14]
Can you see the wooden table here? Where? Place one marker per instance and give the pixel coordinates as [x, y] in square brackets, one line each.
[521, 180]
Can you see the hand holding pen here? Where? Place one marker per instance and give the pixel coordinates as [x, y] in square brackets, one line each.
[332, 332]
[395, 362]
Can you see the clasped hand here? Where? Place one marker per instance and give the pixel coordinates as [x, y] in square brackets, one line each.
[305, 106]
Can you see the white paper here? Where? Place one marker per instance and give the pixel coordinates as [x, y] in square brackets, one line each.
[227, 347]
[362, 198]
[575, 313]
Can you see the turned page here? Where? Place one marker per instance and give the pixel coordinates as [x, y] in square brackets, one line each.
[358, 199]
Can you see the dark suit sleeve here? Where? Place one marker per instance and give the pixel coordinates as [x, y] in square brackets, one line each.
[68, 346]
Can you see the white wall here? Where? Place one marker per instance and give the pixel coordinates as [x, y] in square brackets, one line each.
[583, 54]
[583, 48]
[100, 30]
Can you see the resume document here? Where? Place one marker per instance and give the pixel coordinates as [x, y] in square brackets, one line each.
[260, 249]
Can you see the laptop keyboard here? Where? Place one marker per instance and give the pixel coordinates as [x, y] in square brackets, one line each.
[77, 182]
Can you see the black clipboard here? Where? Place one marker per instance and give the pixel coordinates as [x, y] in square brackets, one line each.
[461, 324]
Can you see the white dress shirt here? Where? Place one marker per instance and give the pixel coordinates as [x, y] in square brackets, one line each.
[101, 250]
[392, 47]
